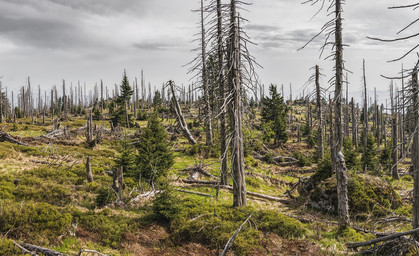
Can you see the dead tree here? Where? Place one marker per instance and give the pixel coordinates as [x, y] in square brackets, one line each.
[320, 146]
[222, 95]
[334, 28]
[235, 109]
[179, 116]
[394, 133]
[118, 184]
[415, 150]
[64, 102]
[365, 130]
[354, 124]
[89, 129]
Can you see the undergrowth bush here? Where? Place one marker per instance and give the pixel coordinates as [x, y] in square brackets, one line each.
[196, 220]
[33, 221]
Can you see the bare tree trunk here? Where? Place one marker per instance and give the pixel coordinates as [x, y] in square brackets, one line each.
[101, 99]
[320, 146]
[343, 209]
[89, 173]
[395, 155]
[179, 116]
[235, 81]
[354, 125]
[1, 102]
[89, 129]
[346, 118]
[332, 137]
[415, 151]
[208, 125]
[64, 101]
[365, 131]
[223, 122]
[118, 182]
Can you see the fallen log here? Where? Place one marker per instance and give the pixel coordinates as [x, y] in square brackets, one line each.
[381, 239]
[6, 137]
[208, 182]
[199, 169]
[193, 192]
[91, 251]
[24, 250]
[39, 249]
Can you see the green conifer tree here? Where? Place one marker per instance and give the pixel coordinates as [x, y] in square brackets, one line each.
[274, 111]
[154, 157]
[120, 115]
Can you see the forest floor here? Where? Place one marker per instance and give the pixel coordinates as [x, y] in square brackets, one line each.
[45, 200]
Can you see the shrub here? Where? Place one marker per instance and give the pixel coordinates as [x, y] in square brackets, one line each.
[166, 206]
[33, 221]
[110, 228]
[8, 248]
[105, 196]
[283, 226]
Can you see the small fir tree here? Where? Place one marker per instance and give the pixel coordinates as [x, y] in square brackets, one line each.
[120, 115]
[153, 158]
[274, 111]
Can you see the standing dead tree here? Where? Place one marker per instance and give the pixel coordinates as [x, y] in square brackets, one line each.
[199, 66]
[331, 29]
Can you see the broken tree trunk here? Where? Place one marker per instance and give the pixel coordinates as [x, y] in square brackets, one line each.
[89, 173]
[118, 182]
[179, 115]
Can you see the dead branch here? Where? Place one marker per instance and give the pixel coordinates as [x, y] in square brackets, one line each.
[207, 182]
[231, 240]
[91, 251]
[381, 239]
[24, 250]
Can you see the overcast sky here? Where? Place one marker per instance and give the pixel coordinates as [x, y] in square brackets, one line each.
[86, 40]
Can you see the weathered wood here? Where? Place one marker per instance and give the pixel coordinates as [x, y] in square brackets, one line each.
[89, 173]
[91, 251]
[39, 249]
[179, 116]
[415, 151]
[192, 192]
[320, 145]
[381, 239]
[208, 182]
[231, 240]
[6, 137]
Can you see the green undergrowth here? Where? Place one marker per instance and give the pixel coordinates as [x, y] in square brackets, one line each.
[368, 196]
[210, 223]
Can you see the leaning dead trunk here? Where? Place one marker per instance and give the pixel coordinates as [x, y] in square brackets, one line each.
[179, 115]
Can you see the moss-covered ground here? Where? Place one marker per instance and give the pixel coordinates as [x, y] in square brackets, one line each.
[46, 200]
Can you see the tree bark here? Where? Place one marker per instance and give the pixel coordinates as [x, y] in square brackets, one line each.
[89, 173]
[394, 133]
[221, 81]
[343, 212]
[415, 151]
[179, 115]
[235, 81]
[365, 131]
[208, 125]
